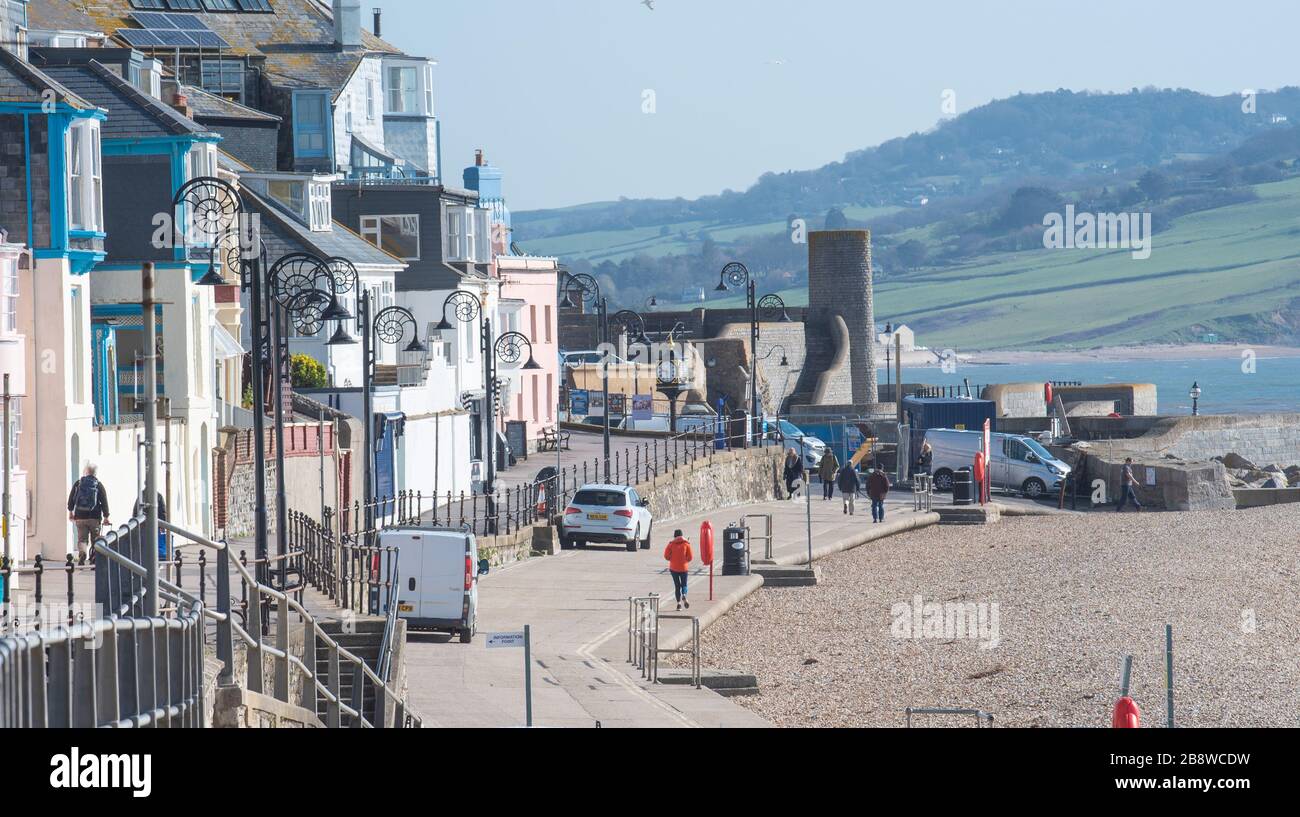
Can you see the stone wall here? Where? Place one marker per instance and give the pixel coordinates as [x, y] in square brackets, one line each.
[1163, 482]
[1265, 439]
[1130, 399]
[1016, 399]
[725, 479]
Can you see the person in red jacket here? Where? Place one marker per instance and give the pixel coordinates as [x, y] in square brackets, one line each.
[678, 555]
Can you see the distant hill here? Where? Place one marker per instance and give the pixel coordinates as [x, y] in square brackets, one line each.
[965, 201]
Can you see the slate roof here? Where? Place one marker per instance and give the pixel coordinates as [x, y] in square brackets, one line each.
[284, 234]
[22, 82]
[211, 106]
[59, 15]
[131, 112]
[297, 40]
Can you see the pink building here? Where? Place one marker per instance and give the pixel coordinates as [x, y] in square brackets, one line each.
[528, 285]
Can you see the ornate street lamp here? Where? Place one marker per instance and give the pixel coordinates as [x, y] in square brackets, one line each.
[773, 309]
[1195, 394]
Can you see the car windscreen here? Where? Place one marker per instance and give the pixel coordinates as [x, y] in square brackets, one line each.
[789, 429]
[600, 499]
[1034, 446]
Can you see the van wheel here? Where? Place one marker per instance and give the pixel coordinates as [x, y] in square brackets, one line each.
[943, 480]
[466, 636]
[632, 543]
[1034, 488]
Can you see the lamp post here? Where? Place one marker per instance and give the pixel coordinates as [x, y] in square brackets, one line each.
[589, 293]
[735, 274]
[1195, 394]
[214, 204]
[304, 289]
[889, 341]
[508, 348]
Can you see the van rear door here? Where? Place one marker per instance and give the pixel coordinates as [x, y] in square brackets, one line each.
[410, 550]
[443, 575]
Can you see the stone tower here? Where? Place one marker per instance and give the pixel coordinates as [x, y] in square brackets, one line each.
[839, 283]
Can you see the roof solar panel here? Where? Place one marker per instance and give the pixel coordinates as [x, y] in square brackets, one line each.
[184, 5]
[254, 5]
[208, 39]
[138, 38]
[172, 37]
[153, 19]
[188, 22]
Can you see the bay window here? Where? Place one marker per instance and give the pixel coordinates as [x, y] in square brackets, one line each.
[402, 90]
[85, 177]
[9, 298]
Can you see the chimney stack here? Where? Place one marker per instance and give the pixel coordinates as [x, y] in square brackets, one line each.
[347, 23]
[378, 13]
[478, 158]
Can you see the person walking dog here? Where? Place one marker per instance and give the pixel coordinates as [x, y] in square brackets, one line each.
[826, 470]
[848, 484]
[678, 555]
[1128, 487]
[878, 490]
[88, 510]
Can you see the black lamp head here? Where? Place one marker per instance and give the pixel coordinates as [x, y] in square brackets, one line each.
[341, 337]
[415, 345]
[335, 311]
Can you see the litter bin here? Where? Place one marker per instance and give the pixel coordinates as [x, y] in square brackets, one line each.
[735, 551]
[963, 487]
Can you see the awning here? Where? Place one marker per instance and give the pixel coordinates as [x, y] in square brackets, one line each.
[224, 345]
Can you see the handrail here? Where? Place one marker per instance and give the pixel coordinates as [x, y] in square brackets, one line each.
[390, 628]
[251, 636]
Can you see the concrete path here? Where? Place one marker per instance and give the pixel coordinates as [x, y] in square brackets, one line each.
[577, 606]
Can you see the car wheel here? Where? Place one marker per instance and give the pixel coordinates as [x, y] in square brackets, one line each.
[565, 541]
[466, 636]
[1034, 488]
[943, 480]
[645, 543]
[636, 537]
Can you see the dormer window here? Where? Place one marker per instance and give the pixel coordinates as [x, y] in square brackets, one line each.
[306, 198]
[319, 206]
[202, 161]
[408, 88]
[465, 234]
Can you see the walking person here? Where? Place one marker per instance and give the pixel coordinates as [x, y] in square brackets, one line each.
[1128, 487]
[826, 473]
[924, 458]
[793, 472]
[878, 490]
[88, 510]
[678, 555]
[848, 484]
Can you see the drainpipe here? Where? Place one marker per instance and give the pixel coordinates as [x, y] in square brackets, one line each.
[150, 502]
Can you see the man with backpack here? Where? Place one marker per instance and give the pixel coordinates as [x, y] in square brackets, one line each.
[88, 510]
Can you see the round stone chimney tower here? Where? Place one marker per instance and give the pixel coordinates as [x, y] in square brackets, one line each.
[839, 283]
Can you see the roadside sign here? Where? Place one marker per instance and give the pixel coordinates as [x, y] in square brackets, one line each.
[501, 641]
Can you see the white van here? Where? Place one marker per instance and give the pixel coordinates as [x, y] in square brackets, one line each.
[438, 570]
[1018, 464]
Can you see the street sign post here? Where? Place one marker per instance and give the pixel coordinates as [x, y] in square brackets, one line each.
[508, 641]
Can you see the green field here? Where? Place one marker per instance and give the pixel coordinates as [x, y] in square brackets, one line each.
[616, 245]
[1241, 261]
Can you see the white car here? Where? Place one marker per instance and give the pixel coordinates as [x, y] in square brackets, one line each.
[607, 513]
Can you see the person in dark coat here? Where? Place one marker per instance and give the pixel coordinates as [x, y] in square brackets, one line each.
[848, 484]
[878, 490]
[793, 472]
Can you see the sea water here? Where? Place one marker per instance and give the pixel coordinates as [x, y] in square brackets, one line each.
[1227, 384]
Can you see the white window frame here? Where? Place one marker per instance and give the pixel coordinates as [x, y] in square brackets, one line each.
[9, 299]
[370, 99]
[15, 430]
[399, 97]
[372, 230]
[319, 207]
[428, 89]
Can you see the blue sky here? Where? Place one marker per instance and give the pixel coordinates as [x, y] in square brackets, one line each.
[553, 89]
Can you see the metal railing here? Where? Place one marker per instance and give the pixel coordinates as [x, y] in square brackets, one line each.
[982, 718]
[116, 683]
[120, 672]
[922, 492]
[766, 535]
[643, 648]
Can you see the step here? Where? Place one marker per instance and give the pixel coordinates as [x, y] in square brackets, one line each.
[968, 514]
[786, 575]
[366, 624]
[726, 682]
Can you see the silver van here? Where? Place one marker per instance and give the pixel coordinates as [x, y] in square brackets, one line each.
[1018, 464]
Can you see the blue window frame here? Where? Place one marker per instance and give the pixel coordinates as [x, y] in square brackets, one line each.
[311, 124]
